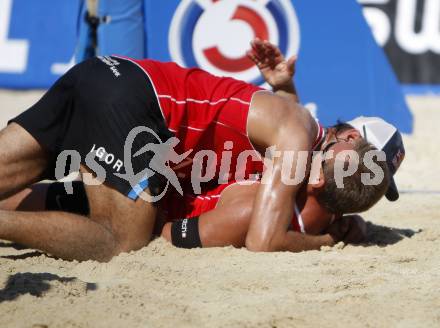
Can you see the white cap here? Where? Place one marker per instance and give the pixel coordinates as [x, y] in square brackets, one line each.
[384, 136]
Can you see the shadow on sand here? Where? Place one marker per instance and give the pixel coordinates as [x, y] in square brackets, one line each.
[7, 244]
[383, 236]
[23, 256]
[18, 247]
[35, 284]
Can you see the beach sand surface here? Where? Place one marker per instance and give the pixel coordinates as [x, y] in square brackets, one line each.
[391, 281]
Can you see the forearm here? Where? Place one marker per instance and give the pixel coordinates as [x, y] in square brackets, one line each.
[293, 241]
[298, 242]
[64, 235]
[275, 198]
[216, 229]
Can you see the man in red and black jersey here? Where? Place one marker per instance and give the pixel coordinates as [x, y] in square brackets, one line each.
[94, 108]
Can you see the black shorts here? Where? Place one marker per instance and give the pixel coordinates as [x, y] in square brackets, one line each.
[92, 109]
[57, 198]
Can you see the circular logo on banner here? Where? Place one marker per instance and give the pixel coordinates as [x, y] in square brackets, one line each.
[215, 34]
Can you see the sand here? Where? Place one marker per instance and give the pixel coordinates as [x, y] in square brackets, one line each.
[392, 281]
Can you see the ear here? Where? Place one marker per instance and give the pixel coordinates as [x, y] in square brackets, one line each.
[351, 134]
[317, 184]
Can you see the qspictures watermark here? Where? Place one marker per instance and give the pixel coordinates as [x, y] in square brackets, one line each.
[292, 167]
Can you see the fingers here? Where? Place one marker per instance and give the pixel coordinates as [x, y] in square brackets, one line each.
[292, 61]
[349, 229]
[265, 52]
[257, 56]
[257, 46]
[258, 50]
[291, 64]
[251, 55]
[271, 48]
[339, 229]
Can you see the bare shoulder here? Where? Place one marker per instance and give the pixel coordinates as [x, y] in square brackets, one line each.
[271, 115]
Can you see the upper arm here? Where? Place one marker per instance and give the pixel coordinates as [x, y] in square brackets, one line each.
[228, 223]
[272, 119]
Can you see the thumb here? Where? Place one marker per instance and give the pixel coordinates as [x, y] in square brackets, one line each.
[291, 62]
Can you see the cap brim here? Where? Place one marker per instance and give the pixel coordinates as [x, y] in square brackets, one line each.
[392, 193]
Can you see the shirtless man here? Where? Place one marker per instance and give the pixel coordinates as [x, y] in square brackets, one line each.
[96, 105]
[221, 217]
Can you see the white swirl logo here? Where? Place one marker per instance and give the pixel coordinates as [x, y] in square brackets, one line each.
[163, 154]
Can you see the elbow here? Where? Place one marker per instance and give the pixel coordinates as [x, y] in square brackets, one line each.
[261, 244]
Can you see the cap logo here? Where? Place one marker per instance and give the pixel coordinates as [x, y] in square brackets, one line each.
[398, 158]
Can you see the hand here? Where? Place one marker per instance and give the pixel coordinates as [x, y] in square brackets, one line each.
[275, 69]
[351, 229]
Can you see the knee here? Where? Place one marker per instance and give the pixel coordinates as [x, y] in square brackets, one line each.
[113, 242]
[122, 243]
[127, 246]
[110, 249]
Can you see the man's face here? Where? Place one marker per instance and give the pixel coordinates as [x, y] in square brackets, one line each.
[336, 140]
[340, 152]
[341, 146]
[339, 142]
[334, 145]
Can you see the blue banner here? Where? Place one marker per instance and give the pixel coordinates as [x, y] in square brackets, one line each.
[120, 31]
[37, 41]
[341, 71]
